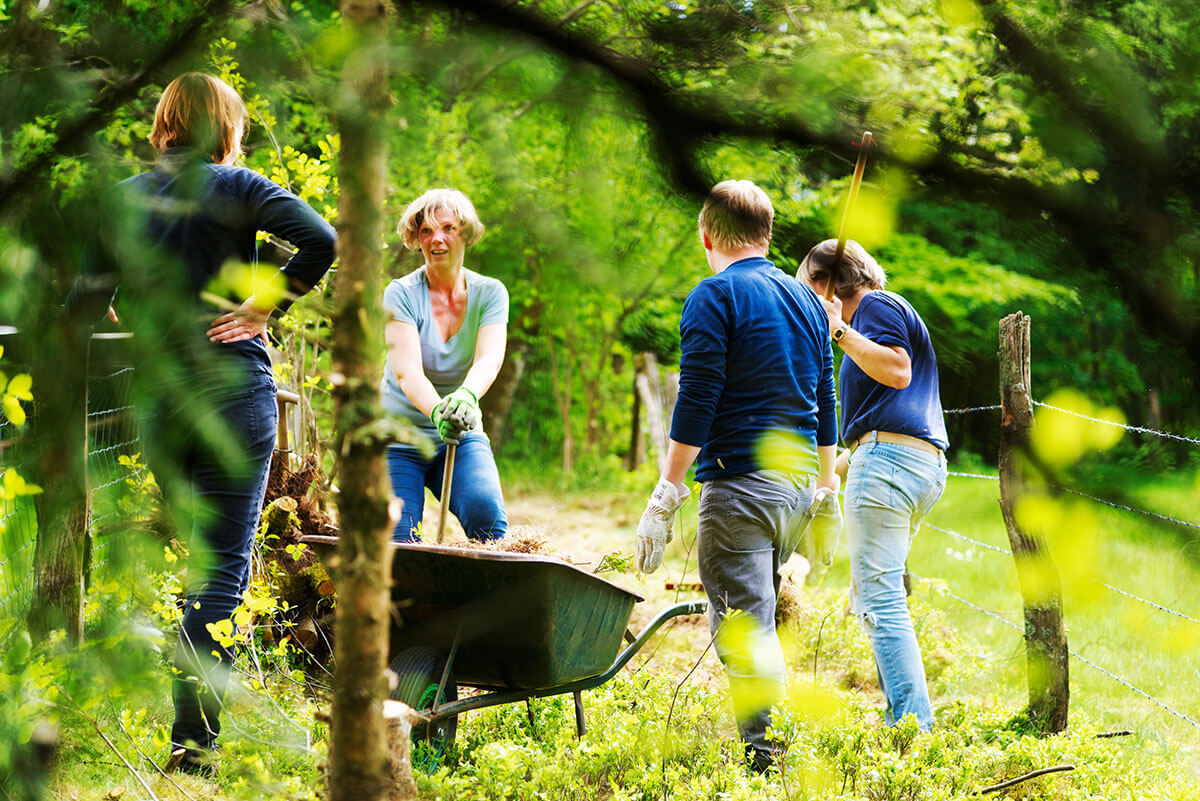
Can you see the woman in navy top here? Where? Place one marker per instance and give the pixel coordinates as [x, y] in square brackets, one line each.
[176, 238]
[894, 465]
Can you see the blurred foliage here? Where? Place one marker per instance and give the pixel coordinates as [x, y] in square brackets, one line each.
[1040, 156]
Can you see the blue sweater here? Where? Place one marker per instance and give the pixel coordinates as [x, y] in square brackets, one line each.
[756, 364]
[190, 217]
[886, 319]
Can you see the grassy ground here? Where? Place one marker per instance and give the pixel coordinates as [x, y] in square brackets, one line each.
[662, 728]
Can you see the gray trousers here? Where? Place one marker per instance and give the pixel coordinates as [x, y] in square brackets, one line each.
[741, 545]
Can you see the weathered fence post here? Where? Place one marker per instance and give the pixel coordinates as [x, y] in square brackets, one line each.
[1045, 636]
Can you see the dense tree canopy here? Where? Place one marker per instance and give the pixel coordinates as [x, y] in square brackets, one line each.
[1031, 155]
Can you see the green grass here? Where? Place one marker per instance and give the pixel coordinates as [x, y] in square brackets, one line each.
[658, 732]
[1152, 649]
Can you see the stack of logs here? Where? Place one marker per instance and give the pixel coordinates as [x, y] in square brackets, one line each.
[292, 509]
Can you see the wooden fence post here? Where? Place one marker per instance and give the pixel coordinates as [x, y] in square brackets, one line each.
[1045, 636]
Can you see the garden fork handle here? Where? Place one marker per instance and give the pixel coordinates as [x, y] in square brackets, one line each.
[451, 447]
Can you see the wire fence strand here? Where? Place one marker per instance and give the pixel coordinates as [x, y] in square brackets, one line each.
[969, 409]
[1138, 429]
[1118, 590]
[1134, 509]
[944, 590]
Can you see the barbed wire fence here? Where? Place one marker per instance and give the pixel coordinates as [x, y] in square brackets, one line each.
[112, 434]
[942, 588]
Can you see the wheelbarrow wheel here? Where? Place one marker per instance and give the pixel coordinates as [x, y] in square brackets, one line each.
[419, 670]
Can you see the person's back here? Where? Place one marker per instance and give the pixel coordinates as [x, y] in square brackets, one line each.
[196, 218]
[777, 365]
[756, 374]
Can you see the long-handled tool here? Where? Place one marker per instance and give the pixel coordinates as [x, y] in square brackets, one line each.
[446, 477]
[855, 183]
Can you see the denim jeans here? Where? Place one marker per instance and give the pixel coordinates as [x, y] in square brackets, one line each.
[741, 545]
[475, 495]
[889, 489]
[211, 459]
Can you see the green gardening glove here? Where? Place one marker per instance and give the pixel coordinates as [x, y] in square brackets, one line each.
[456, 414]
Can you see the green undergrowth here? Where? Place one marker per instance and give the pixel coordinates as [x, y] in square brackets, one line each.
[663, 730]
[658, 735]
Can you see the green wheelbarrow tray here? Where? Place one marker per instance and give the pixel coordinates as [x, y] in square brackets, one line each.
[518, 626]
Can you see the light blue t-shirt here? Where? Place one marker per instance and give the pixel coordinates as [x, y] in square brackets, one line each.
[446, 364]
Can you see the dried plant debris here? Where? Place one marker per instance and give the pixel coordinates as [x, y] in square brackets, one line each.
[520, 539]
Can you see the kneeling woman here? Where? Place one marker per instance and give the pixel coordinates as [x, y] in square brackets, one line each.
[445, 344]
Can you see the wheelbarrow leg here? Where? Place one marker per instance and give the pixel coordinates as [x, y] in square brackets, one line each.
[449, 663]
[580, 724]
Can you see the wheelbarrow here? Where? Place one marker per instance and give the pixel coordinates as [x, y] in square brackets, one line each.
[514, 626]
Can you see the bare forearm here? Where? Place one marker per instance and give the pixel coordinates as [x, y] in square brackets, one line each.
[889, 365]
[480, 377]
[420, 391]
[827, 467]
[679, 459]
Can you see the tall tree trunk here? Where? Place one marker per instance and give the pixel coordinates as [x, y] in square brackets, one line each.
[358, 759]
[562, 397]
[60, 440]
[637, 442]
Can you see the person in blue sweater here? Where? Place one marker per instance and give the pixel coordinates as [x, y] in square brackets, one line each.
[756, 371]
[208, 411]
[894, 463]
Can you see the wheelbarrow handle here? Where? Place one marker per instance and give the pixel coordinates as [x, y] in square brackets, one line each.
[447, 474]
[509, 696]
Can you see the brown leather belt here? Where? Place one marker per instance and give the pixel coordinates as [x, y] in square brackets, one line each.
[896, 439]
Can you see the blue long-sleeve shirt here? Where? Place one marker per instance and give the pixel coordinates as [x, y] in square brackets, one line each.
[190, 217]
[756, 372]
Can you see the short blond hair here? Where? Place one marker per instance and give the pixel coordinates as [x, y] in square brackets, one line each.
[423, 207]
[737, 214]
[201, 111]
[858, 268]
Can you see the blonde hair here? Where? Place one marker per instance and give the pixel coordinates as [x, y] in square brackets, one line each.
[737, 214]
[858, 268]
[201, 111]
[423, 207]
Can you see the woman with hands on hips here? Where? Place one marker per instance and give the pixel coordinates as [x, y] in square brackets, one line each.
[445, 344]
[208, 410]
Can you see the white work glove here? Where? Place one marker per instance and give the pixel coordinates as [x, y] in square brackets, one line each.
[824, 526]
[654, 529]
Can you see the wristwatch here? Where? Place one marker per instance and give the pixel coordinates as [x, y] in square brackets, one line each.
[840, 332]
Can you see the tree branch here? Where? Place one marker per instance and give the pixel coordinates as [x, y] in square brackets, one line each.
[1031, 775]
[17, 182]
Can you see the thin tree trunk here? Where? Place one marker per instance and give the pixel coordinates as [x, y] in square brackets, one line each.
[497, 403]
[60, 437]
[637, 442]
[1045, 636]
[562, 398]
[649, 389]
[358, 757]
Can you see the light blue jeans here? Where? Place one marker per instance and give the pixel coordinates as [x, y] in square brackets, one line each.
[889, 489]
[475, 495]
[741, 546]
